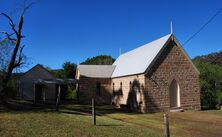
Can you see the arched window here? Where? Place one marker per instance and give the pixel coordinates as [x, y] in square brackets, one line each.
[113, 87]
[130, 85]
[174, 94]
[121, 89]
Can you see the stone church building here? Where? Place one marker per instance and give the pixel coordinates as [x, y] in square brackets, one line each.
[158, 76]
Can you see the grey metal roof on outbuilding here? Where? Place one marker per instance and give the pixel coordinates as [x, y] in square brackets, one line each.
[56, 81]
[36, 72]
[96, 71]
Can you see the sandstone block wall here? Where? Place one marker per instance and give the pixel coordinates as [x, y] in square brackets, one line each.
[129, 90]
[87, 89]
[172, 65]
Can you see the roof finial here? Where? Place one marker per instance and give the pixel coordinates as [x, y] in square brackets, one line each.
[120, 51]
[171, 27]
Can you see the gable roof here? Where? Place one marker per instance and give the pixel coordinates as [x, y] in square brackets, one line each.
[141, 59]
[36, 69]
[96, 71]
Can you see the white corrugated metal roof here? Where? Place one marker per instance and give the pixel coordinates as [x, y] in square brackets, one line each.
[96, 71]
[138, 60]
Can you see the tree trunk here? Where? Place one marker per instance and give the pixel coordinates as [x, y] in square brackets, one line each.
[12, 63]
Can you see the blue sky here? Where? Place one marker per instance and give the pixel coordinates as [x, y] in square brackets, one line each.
[73, 30]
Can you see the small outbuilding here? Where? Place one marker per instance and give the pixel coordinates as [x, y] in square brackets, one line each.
[39, 84]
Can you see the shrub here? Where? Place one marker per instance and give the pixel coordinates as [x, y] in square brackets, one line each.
[72, 93]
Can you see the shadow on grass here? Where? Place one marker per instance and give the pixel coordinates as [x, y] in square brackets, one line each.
[15, 105]
[22, 106]
[73, 112]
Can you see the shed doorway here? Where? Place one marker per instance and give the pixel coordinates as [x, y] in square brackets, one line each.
[174, 94]
[38, 92]
[63, 91]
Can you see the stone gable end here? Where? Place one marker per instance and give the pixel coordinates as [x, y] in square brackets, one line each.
[172, 64]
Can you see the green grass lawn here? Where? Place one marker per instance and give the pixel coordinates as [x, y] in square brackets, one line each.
[75, 120]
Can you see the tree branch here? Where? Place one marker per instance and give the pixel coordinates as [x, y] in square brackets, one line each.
[20, 58]
[17, 58]
[26, 7]
[8, 36]
[10, 22]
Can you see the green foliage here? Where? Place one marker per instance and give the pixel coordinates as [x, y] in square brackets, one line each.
[210, 82]
[99, 60]
[6, 47]
[72, 93]
[213, 58]
[12, 88]
[57, 73]
[68, 71]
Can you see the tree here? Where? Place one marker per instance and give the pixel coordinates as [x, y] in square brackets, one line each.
[5, 52]
[99, 60]
[17, 57]
[210, 80]
[213, 58]
[69, 69]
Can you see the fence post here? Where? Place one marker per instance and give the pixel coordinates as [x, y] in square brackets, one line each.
[93, 112]
[34, 99]
[58, 99]
[166, 125]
